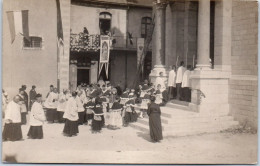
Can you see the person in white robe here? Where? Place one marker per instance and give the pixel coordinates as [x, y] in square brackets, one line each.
[23, 106]
[179, 78]
[51, 104]
[80, 107]
[37, 118]
[186, 84]
[71, 117]
[160, 80]
[61, 105]
[172, 83]
[12, 127]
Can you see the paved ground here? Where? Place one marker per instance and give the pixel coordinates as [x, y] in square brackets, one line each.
[128, 145]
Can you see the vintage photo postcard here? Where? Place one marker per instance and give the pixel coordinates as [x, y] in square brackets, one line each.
[130, 81]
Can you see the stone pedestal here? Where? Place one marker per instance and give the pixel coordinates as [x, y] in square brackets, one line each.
[210, 92]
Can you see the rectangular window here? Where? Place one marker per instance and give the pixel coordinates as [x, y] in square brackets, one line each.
[33, 42]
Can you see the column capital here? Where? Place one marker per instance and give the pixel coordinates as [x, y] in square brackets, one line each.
[160, 4]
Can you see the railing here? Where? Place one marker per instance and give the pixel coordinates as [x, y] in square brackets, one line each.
[85, 42]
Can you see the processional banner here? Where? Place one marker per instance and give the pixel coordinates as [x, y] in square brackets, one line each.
[104, 53]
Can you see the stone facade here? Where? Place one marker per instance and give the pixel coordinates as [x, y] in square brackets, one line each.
[226, 30]
[30, 66]
[243, 90]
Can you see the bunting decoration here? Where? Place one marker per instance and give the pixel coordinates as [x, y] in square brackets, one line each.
[104, 53]
[18, 23]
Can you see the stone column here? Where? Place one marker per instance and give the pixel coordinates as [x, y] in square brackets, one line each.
[203, 35]
[160, 34]
[159, 40]
[222, 43]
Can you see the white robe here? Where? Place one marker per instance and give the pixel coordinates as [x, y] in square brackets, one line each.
[180, 73]
[160, 81]
[186, 79]
[61, 102]
[13, 112]
[37, 116]
[80, 107]
[172, 78]
[51, 101]
[71, 112]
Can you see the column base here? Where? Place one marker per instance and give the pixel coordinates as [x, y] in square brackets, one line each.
[155, 72]
[210, 91]
[203, 67]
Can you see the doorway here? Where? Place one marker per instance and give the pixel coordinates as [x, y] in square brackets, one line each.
[104, 22]
[104, 26]
[82, 76]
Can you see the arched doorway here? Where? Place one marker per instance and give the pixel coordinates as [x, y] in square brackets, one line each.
[105, 22]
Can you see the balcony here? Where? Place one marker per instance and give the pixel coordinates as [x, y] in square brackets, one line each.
[84, 42]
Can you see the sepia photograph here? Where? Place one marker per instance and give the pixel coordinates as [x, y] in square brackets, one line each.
[130, 81]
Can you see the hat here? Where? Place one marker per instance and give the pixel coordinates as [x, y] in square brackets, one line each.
[38, 95]
[51, 86]
[74, 93]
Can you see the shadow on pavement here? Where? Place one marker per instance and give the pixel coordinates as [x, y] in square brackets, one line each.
[144, 135]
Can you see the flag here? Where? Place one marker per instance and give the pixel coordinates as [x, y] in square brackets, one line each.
[18, 23]
[60, 40]
[130, 37]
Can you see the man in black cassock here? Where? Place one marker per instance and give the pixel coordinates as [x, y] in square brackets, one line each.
[32, 95]
[26, 98]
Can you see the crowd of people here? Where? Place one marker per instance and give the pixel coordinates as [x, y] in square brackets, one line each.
[97, 105]
[94, 105]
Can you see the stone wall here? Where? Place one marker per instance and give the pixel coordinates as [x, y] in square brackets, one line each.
[30, 66]
[243, 83]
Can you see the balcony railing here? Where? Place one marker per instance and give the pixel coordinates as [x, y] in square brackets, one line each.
[85, 42]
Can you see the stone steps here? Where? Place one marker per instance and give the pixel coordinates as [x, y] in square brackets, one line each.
[178, 122]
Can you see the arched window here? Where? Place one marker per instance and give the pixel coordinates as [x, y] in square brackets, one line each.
[105, 15]
[105, 22]
[146, 25]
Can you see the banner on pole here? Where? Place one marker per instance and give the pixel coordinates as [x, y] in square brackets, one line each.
[104, 53]
[18, 23]
[140, 48]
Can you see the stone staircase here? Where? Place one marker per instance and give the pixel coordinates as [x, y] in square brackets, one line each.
[177, 120]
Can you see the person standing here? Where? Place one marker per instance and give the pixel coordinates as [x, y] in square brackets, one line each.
[51, 90]
[26, 98]
[12, 128]
[51, 104]
[61, 105]
[161, 81]
[37, 118]
[71, 116]
[179, 78]
[155, 126]
[97, 122]
[23, 106]
[80, 108]
[5, 101]
[32, 95]
[186, 84]
[172, 83]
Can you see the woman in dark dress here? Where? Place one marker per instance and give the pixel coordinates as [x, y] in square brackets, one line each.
[154, 113]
